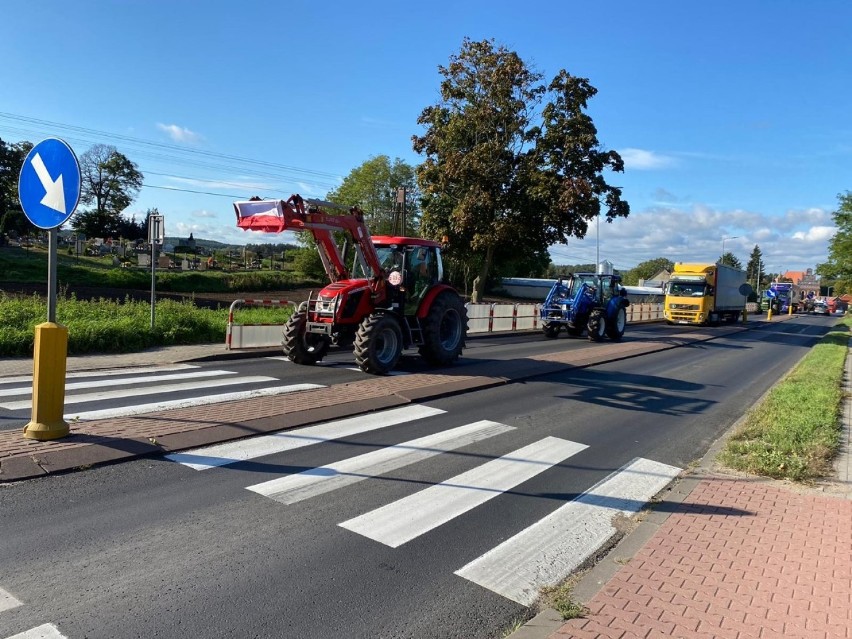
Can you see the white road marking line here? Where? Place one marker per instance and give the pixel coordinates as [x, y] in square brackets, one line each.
[343, 365]
[44, 631]
[244, 449]
[7, 601]
[310, 483]
[155, 407]
[104, 373]
[126, 381]
[548, 551]
[152, 390]
[405, 519]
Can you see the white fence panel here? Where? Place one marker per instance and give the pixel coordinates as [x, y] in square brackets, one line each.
[255, 335]
[527, 317]
[478, 318]
[504, 317]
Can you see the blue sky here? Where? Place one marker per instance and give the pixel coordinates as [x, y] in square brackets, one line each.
[733, 117]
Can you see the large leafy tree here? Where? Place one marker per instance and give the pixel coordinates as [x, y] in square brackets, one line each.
[110, 182]
[839, 264]
[373, 188]
[511, 165]
[647, 269]
[12, 218]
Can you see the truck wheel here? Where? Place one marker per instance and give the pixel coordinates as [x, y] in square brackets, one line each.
[596, 326]
[615, 325]
[444, 330]
[300, 346]
[378, 344]
[550, 330]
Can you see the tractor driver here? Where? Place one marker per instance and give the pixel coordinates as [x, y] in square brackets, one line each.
[419, 271]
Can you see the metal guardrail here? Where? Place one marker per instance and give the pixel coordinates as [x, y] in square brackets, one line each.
[482, 318]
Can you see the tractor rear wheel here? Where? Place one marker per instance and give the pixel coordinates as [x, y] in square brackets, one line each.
[596, 325]
[615, 325]
[378, 344]
[299, 345]
[444, 330]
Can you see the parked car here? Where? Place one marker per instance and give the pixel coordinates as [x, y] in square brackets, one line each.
[821, 308]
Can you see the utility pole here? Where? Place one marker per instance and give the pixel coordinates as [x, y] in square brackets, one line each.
[400, 210]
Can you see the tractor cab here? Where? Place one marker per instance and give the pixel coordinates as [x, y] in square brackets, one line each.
[413, 266]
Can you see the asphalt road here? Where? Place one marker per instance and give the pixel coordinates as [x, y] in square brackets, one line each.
[153, 548]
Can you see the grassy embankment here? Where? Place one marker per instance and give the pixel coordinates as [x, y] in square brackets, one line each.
[794, 432]
[109, 326]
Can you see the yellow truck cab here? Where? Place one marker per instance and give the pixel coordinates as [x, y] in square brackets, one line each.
[703, 293]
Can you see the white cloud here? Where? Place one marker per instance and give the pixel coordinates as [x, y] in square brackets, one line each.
[641, 160]
[180, 134]
[816, 234]
[695, 234]
[203, 213]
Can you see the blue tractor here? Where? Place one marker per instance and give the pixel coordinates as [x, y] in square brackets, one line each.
[586, 302]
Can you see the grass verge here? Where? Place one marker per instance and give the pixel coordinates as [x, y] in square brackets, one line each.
[108, 326]
[794, 433]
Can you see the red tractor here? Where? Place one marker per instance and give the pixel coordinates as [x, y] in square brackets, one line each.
[393, 297]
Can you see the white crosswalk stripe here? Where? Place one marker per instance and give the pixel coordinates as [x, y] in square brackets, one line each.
[343, 365]
[123, 388]
[543, 554]
[294, 488]
[124, 381]
[44, 631]
[141, 409]
[7, 601]
[405, 519]
[245, 449]
[150, 390]
[548, 551]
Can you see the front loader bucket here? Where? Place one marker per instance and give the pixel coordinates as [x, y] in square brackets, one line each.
[260, 215]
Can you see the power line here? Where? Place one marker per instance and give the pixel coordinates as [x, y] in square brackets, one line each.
[159, 145]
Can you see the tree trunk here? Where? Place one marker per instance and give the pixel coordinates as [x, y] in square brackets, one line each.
[479, 282]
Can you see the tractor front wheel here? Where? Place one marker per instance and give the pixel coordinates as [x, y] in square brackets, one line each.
[551, 330]
[299, 345]
[596, 325]
[444, 330]
[615, 325]
[378, 344]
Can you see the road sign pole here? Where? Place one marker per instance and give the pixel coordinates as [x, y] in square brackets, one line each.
[51, 275]
[49, 190]
[153, 280]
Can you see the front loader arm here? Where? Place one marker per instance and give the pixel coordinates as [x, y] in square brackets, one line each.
[297, 214]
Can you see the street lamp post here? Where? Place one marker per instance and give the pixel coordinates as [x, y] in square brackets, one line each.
[724, 239]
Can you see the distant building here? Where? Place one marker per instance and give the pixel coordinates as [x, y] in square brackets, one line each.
[657, 281]
[806, 281]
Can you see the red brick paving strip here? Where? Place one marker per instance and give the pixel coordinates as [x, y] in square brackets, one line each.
[738, 559]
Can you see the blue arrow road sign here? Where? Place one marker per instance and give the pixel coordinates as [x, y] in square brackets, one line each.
[49, 185]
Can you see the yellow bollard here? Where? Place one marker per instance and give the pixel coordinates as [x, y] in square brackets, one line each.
[745, 316]
[49, 360]
[790, 308]
[769, 314]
